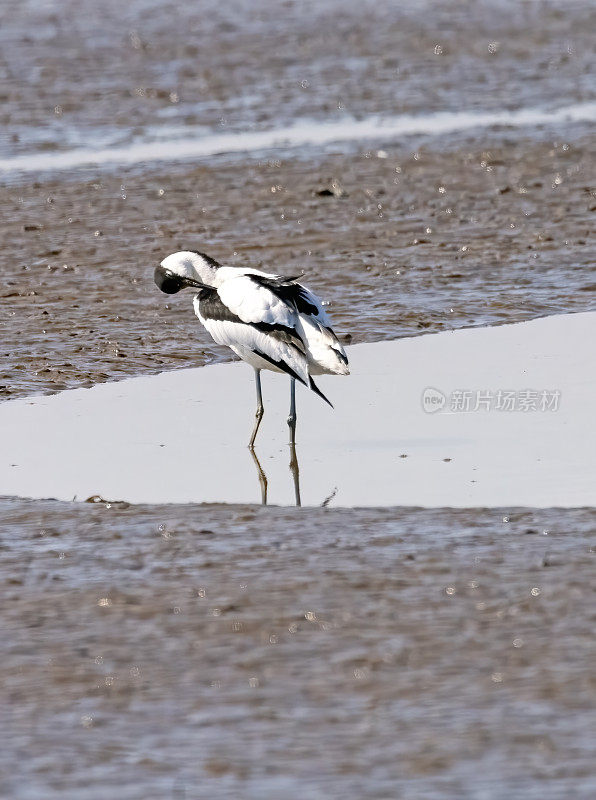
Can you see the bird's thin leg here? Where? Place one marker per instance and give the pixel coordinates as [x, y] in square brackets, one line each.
[292, 416]
[262, 476]
[294, 469]
[260, 409]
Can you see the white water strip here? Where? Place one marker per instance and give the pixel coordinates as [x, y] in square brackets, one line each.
[303, 134]
[181, 436]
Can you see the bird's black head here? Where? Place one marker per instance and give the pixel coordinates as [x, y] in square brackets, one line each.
[167, 281]
[170, 283]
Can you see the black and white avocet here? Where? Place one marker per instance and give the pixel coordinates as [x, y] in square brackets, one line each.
[271, 322]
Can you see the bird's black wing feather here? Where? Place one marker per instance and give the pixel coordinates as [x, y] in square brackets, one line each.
[281, 364]
[288, 291]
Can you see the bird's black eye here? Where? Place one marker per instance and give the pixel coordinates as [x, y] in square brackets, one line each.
[167, 281]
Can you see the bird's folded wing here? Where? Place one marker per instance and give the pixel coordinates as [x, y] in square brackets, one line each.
[255, 302]
[285, 308]
[275, 348]
[306, 303]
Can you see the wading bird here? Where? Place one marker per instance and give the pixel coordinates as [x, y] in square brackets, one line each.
[270, 321]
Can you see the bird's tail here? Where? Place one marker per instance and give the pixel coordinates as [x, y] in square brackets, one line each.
[316, 390]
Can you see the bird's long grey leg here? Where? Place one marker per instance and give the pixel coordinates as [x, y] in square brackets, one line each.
[260, 409]
[292, 417]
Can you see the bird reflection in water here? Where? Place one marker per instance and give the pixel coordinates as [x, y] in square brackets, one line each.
[294, 469]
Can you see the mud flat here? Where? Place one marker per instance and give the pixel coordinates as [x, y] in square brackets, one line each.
[211, 651]
[429, 238]
[481, 417]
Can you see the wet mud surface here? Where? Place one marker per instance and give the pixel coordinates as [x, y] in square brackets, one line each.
[83, 74]
[423, 240]
[205, 651]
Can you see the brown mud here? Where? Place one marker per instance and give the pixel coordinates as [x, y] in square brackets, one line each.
[425, 240]
[205, 651]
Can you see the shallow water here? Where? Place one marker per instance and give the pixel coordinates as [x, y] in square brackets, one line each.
[179, 145]
[519, 434]
[241, 66]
